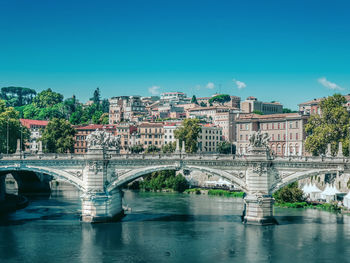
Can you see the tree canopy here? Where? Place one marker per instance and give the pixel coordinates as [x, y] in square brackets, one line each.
[17, 96]
[332, 126]
[189, 133]
[58, 136]
[194, 99]
[226, 148]
[47, 98]
[221, 99]
[10, 125]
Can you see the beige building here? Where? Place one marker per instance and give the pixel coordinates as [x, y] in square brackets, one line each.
[209, 138]
[150, 133]
[221, 116]
[252, 104]
[126, 108]
[286, 132]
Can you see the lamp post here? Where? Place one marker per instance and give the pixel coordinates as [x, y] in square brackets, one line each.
[7, 136]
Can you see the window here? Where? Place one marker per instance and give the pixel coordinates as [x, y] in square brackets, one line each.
[296, 136]
[273, 137]
[246, 137]
[296, 124]
[279, 137]
[278, 125]
[247, 127]
[290, 125]
[291, 136]
[240, 137]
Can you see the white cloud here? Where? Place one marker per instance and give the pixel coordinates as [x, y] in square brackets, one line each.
[154, 90]
[198, 87]
[210, 85]
[329, 85]
[239, 84]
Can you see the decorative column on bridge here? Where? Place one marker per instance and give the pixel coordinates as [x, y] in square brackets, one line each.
[98, 205]
[259, 177]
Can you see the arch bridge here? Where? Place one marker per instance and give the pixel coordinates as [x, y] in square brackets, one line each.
[100, 176]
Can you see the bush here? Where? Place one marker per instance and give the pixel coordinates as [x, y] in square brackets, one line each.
[164, 180]
[289, 194]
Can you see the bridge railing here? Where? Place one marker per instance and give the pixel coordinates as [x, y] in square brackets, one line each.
[198, 156]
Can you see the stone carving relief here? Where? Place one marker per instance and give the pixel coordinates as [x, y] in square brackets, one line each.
[258, 139]
[95, 167]
[259, 168]
[101, 139]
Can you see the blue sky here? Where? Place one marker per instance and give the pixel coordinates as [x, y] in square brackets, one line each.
[288, 51]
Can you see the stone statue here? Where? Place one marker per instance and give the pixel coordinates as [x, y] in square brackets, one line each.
[101, 139]
[258, 140]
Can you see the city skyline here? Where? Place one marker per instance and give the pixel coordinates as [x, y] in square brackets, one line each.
[289, 53]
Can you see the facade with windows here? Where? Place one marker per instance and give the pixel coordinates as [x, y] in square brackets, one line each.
[150, 133]
[36, 128]
[286, 132]
[252, 104]
[126, 108]
[209, 138]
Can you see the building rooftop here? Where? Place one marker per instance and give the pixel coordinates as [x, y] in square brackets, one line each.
[28, 122]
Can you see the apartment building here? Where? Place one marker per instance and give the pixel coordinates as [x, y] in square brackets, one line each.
[126, 108]
[172, 97]
[314, 106]
[209, 138]
[150, 133]
[36, 128]
[252, 104]
[286, 132]
[221, 116]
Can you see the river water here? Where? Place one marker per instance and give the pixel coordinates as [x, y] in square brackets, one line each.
[169, 227]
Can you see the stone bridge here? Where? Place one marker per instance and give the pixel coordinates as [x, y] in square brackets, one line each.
[100, 176]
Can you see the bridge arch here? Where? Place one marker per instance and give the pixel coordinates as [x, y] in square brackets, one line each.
[137, 173]
[59, 174]
[299, 176]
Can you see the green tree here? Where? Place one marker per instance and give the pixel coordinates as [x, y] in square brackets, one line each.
[105, 106]
[194, 99]
[169, 147]
[203, 104]
[189, 133]
[152, 149]
[221, 99]
[47, 98]
[289, 194]
[58, 136]
[286, 110]
[226, 148]
[136, 149]
[97, 96]
[258, 112]
[332, 126]
[10, 125]
[17, 96]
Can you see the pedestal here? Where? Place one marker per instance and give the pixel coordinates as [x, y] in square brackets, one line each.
[259, 210]
[102, 207]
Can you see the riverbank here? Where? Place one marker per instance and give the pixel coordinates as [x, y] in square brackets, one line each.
[332, 207]
[13, 203]
[217, 192]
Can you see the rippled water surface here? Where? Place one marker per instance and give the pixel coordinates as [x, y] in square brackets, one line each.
[164, 227]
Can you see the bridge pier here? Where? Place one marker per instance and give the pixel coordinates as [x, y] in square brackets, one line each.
[259, 210]
[2, 187]
[102, 207]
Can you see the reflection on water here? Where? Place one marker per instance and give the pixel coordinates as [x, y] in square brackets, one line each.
[167, 227]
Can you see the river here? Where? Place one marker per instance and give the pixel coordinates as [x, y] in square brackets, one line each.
[170, 227]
